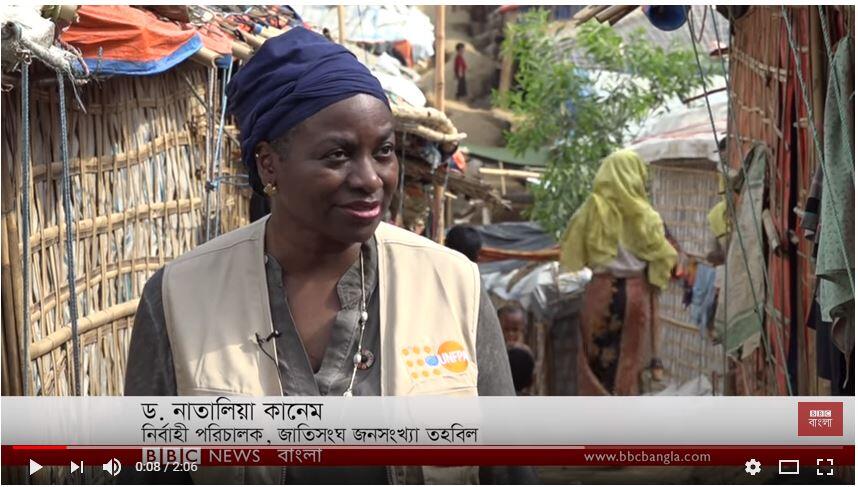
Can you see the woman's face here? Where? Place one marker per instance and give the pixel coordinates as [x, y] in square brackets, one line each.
[337, 170]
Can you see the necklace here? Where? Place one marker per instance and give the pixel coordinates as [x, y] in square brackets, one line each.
[359, 357]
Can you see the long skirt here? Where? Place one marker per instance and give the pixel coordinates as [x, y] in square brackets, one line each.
[617, 339]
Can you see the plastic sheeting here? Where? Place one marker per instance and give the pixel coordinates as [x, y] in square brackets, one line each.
[513, 236]
[37, 35]
[684, 133]
[538, 288]
[388, 70]
[118, 39]
[377, 23]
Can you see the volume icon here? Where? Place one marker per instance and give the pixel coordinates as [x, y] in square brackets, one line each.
[113, 467]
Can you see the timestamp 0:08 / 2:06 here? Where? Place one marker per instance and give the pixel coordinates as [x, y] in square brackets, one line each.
[166, 467]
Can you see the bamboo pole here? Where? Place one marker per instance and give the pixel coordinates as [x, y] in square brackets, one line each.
[87, 323]
[440, 62]
[341, 19]
[205, 56]
[155, 147]
[438, 213]
[506, 61]
[502, 172]
[269, 32]
[241, 50]
[438, 200]
[587, 13]
[448, 198]
[48, 235]
[11, 321]
[610, 12]
[515, 173]
[108, 273]
[254, 41]
[13, 306]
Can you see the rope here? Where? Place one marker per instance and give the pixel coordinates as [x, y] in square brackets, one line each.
[769, 288]
[703, 26]
[67, 208]
[219, 143]
[841, 105]
[210, 120]
[728, 198]
[816, 145]
[25, 215]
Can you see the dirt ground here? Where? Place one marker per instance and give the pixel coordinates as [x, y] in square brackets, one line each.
[472, 114]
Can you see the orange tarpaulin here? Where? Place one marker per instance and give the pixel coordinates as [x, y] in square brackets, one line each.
[117, 39]
[404, 49]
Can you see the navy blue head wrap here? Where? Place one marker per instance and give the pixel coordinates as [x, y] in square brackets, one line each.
[292, 77]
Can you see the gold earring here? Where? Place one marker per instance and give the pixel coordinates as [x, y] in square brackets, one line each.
[270, 190]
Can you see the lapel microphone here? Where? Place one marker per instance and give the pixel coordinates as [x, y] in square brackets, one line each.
[274, 334]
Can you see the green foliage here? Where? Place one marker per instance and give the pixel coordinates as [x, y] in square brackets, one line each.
[558, 107]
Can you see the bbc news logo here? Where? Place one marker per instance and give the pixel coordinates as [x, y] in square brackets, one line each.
[820, 419]
[164, 456]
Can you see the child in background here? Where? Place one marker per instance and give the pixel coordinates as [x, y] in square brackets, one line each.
[460, 67]
[513, 321]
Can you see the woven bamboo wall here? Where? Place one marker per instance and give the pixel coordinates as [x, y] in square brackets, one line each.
[138, 164]
[769, 108]
[759, 105]
[683, 196]
[685, 352]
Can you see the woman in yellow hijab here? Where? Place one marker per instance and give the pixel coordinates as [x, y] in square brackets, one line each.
[618, 234]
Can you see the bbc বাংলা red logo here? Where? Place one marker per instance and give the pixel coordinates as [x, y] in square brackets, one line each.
[423, 362]
[820, 419]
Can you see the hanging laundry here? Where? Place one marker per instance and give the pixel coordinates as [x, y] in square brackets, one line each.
[835, 260]
[703, 297]
[835, 263]
[737, 318]
[688, 279]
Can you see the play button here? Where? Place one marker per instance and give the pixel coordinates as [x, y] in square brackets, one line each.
[34, 467]
[74, 467]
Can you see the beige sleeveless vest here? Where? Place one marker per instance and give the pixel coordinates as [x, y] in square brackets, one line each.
[215, 301]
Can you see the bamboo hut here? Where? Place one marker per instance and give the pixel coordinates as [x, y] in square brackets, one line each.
[780, 60]
[154, 170]
[779, 87]
[682, 155]
[137, 169]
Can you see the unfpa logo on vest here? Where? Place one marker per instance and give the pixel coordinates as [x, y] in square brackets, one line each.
[422, 362]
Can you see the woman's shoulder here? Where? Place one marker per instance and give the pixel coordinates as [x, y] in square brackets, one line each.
[254, 232]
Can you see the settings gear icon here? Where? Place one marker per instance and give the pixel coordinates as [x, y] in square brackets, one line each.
[753, 467]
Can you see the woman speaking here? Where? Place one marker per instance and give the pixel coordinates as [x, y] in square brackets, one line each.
[320, 297]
